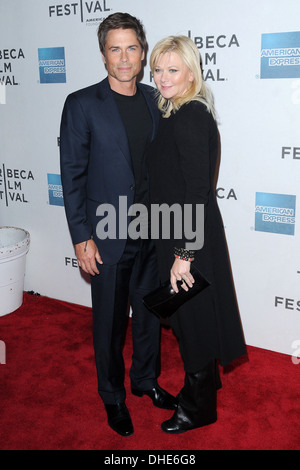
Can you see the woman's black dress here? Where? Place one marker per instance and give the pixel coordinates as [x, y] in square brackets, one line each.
[182, 164]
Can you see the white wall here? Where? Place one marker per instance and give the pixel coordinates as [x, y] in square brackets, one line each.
[259, 127]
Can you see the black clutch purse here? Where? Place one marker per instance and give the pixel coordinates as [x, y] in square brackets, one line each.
[164, 301]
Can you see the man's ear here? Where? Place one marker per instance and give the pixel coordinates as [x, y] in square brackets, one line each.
[103, 58]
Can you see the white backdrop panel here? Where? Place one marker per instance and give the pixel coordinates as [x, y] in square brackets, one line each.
[259, 129]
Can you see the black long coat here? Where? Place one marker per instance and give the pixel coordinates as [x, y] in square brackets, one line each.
[182, 164]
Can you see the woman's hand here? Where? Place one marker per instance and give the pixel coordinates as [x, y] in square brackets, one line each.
[180, 271]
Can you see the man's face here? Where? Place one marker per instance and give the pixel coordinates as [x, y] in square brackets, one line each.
[123, 57]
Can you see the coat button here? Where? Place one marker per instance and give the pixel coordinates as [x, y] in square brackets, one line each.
[132, 186]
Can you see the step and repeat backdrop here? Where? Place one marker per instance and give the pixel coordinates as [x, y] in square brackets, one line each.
[251, 60]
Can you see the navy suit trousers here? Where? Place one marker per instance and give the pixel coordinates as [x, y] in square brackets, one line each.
[114, 289]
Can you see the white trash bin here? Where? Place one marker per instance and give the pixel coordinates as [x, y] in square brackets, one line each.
[14, 245]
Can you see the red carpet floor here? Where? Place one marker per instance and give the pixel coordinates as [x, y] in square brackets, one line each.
[49, 398]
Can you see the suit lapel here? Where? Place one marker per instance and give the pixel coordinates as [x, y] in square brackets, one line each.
[114, 119]
[152, 108]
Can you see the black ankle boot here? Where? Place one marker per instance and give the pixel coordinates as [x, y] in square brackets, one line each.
[197, 402]
[218, 378]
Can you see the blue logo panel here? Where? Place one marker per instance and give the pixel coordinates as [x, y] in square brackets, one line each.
[52, 65]
[280, 55]
[275, 213]
[55, 190]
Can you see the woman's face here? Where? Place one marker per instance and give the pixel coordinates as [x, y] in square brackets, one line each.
[172, 76]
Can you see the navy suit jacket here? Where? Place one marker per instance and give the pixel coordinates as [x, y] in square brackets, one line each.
[96, 165]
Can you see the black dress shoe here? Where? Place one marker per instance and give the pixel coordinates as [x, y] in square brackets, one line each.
[182, 422]
[159, 397]
[118, 419]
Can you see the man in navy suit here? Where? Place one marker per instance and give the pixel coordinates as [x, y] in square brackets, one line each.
[105, 130]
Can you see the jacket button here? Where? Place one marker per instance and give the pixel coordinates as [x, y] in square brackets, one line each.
[132, 187]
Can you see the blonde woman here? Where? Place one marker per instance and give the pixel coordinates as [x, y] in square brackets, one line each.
[182, 164]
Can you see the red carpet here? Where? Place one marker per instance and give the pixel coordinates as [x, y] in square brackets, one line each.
[49, 398]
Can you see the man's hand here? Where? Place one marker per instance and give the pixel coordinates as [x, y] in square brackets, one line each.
[180, 271]
[87, 253]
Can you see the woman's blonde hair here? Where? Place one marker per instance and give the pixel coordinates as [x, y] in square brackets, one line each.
[190, 55]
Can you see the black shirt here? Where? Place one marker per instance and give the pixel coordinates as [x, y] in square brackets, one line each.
[138, 125]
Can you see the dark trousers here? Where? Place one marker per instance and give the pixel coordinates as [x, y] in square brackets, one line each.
[113, 289]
